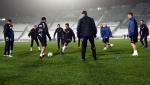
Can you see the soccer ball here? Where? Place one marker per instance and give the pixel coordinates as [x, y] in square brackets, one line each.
[50, 54]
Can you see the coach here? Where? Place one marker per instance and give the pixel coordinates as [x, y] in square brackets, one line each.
[86, 30]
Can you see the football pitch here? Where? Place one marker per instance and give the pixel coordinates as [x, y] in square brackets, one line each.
[115, 66]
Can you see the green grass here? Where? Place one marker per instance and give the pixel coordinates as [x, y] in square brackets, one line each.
[25, 68]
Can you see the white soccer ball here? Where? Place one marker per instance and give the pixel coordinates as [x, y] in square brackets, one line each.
[50, 54]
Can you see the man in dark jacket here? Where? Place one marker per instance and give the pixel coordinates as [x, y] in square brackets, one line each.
[7, 37]
[67, 37]
[144, 33]
[59, 31]
[133, 33]
[34, 37]
[42, 35]
[87, 30]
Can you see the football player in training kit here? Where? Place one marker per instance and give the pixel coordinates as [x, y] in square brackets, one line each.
[67, 37]
[59, 31]
[106, 34]
[144, 33]
[11, 39]
[8, 35]
[133, 33]
[34, 37]
[42, 35]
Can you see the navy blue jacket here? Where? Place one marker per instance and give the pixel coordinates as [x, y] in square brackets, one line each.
[133, 27]
[59, 32]
[33, 33]
[69, 34]
[86, 27]
[43, 31]
[12, 33]
[105, 32]
[7, 30]
[144, 31]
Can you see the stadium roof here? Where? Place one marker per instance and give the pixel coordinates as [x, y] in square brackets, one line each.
[29, 7]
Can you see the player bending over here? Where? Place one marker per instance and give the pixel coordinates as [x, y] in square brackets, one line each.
[106, 34]
[68, 35]
[34, 37]
[42, 35]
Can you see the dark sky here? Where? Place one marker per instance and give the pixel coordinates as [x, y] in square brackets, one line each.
[30, 7]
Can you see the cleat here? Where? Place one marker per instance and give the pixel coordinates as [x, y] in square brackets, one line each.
[10, 56]
[135, 53]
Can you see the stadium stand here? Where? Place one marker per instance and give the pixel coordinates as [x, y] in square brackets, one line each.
[115, 17]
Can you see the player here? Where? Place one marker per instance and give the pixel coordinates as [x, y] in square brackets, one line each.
[133, 33]
[11, 39]
[144, 33]
[68, 35]
[106, 34]
[59, 31]
[34, 37]
[7, 37]
[87, 30]
[42, 35]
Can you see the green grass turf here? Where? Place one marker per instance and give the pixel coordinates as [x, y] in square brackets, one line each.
[113, 67]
